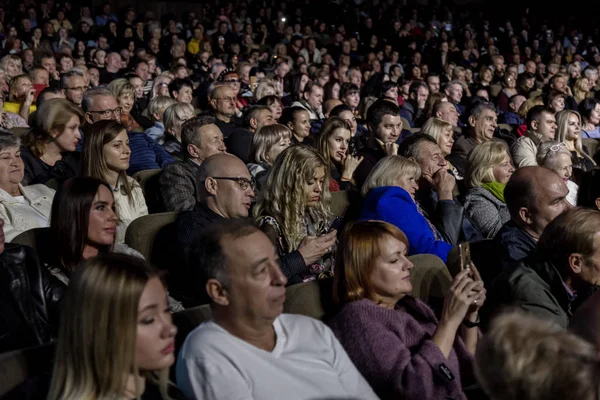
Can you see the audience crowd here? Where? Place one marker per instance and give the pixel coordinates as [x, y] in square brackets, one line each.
[335, 151]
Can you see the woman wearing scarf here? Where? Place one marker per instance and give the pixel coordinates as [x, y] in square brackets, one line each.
[488, 169]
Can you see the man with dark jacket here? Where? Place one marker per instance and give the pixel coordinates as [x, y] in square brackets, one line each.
[225, 190]
[200, 139]
[534, 197]
[565, 264]
[29, 298]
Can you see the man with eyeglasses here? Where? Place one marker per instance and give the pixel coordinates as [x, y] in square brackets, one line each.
[222, 101]
[99, 104]
[225, 190]
[72, 84]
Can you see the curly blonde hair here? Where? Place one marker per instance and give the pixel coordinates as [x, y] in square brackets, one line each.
[284, 194]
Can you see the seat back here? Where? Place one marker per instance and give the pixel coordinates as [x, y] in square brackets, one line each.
[405, 124]
[142, 232]
[148, 180]
[187, 320]
[38, 239]
[20, 131]
[340, 201]
[429, 277]
[592, 145]
[17, 367]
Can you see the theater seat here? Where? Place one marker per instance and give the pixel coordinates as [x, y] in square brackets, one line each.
[430, 279]
[20, 131]
[142, 232]
[148, 180]
[38, 239]
[592, 145]
[17, 367]
[189, 319]
[506, 127]
[340, 201]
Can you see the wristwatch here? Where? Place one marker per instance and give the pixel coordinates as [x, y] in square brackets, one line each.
[470, 324]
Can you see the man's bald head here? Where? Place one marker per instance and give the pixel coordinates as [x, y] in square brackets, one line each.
[224, 164]
[534, 197]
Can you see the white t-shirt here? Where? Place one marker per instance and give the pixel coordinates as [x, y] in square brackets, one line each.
[307, 362]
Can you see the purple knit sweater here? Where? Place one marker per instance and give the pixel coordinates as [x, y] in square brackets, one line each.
[393, 350]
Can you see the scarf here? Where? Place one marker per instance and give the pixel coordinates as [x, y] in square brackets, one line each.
[495, 188]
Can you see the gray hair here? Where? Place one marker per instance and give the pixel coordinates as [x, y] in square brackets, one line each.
[173, 113]
[546, 155]
[387, 171]
[69, 74]
[480, 108]
[88, 97]
[9, 140]
[159, 104]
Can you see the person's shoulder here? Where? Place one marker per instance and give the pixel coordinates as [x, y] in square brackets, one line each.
[205, 340]
[39, 190]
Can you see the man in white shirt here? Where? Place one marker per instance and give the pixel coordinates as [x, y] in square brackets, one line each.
[250, 350]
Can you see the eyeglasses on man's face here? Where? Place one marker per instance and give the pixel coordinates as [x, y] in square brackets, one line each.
[108, 113]
[244, 183]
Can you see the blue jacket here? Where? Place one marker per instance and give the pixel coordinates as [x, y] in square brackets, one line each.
[394, 205]
[146, 153]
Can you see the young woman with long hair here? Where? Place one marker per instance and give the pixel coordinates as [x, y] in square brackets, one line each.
[293, 210]
[106, 156]
[117, 338]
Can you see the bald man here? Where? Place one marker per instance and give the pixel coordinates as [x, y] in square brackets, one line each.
[447, 112]
[534, 197]
[112, 70]
[225, 190]
[222, 100]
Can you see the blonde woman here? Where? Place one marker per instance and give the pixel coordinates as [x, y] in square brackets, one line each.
[334, 146]
[106, 156]
[160, 86]
[174, 117]
[581, 89]
[116, 338]
[389, 193]
[156, 111]
[569, 132]
[267, 87]
[555, 156]
[443, 133]
[293, 211]
[267, 143]
[528, 358]
[124, 92]
[49, 151]
[488, 170]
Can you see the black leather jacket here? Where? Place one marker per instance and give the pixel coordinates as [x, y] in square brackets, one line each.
[30, 299]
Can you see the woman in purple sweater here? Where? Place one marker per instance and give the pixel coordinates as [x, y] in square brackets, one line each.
[395, 340]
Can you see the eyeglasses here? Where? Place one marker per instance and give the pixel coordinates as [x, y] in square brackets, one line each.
[229, 99]
[108, 113]
[77, 89]
[557, 147]
[244, 183]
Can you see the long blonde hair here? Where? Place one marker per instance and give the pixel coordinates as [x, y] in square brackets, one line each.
[96, 350]
[284, 197]
[562, 122]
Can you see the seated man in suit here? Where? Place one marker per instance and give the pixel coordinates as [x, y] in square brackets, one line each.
[250, 349]
[225, 190]
[200, 139]
[565, 264]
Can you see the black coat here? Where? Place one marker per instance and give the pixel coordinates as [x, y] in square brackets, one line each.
[30, 299]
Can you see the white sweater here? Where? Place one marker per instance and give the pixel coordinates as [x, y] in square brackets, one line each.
[128, 211]
[307, 362]
[32, 210]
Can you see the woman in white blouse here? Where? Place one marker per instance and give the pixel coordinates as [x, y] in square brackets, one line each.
[106, 156]
[21, 207]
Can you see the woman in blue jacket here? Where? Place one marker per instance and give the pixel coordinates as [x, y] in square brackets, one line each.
[389, 193]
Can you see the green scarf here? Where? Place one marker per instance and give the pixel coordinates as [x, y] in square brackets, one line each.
[495, 188]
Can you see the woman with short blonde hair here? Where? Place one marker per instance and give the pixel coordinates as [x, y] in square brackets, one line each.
[442, 132]
[130, 352]
[50, 148]
[267, 143]
[156, 111]
[266, 87]
[293, 210]
[124, 93]
[488, 169]
[581, 89]
[174, 117]
[389, 193]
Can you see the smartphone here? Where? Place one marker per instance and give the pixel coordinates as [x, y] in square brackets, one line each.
[464, 251]
[337, 222]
